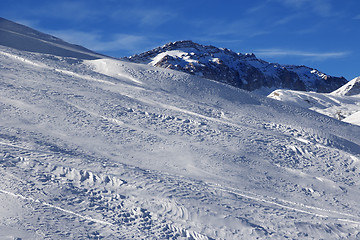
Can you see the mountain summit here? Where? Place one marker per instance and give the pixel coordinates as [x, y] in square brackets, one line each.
[245, 71]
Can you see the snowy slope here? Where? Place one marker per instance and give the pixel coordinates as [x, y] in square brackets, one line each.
[240, 70]
[350, 89]
[340, 104]
[116, 150]
[353, 118]
[24, 38]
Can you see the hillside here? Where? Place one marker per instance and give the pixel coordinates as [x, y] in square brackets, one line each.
[108, 149]
[342, 104]
[352, 88]
[24, 38]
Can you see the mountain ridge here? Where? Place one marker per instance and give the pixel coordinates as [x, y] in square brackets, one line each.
[24, 38]
[349, 89]
[244, 71]
[342, 104]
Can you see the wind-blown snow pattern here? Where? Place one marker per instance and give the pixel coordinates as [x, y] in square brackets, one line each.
[106, 149]
[240, 70]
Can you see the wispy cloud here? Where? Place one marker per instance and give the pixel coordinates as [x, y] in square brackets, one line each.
[357, 17]
[239, 29]
[294, 3]
[142, 16]
[124, 12]
[323, 8]
[74, 10]
[310, 29]
[287, 19]
[257, 8]
[28, 22]
[95, 41]
[275, 52]
[154, 17]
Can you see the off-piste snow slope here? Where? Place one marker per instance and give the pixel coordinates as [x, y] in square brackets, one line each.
[94, 149]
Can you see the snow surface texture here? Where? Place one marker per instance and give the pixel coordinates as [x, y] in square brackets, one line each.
[109, 149]
[342, 104]
[240, 70]
[353, 118]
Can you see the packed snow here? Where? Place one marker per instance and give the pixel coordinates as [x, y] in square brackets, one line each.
[106, 149]
[353, 118]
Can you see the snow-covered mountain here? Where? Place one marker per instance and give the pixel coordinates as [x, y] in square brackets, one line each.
[240, 70]
[342, 104]
[107, 149]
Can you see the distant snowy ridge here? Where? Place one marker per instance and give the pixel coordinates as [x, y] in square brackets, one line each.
[342, 104]
[240, 70]
[350, 89]
[24, 38]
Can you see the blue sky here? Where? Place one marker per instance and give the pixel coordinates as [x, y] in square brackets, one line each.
[324, 34]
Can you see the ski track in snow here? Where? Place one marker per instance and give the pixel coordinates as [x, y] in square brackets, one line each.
[167, 207]
[126, 217]
[275, 201]
[55, 207]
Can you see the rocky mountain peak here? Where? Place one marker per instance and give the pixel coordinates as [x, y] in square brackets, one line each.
[245, 71]
[181, 44]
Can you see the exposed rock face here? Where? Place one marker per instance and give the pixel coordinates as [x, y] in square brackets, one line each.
[240, 70]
